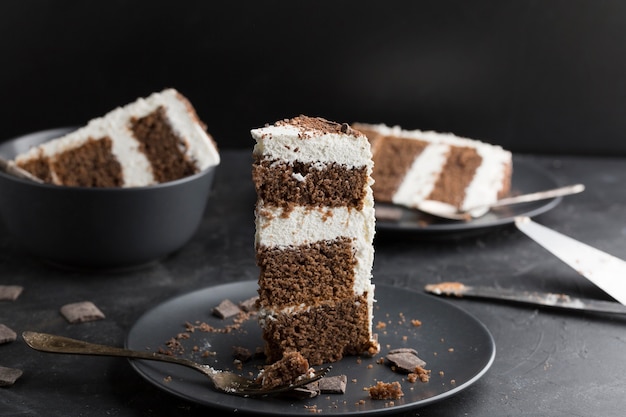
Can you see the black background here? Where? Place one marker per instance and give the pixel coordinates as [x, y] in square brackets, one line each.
[544, 76]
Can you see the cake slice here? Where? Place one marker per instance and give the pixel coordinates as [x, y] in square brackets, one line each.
[152, 140]
[412, 165]
[314, 239]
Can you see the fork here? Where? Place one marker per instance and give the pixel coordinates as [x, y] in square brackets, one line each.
[224, 381]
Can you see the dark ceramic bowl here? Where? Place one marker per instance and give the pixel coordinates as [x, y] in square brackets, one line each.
[106, 228]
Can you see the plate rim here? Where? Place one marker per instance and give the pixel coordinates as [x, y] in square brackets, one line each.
[137, 364]
[460, 227]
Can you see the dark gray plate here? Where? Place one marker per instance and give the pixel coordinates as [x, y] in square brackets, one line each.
[527, 178]
[457, 347]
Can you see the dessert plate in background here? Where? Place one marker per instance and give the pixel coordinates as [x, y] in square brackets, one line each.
[527, 178]
[457, 348]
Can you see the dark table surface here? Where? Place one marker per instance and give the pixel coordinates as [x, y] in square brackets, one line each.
[550, 363]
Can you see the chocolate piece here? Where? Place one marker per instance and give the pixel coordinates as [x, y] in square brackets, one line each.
[226, 309]
[333, 384]
[81, 312]
[249, 304]
[10, 292]
[8, 376]
[405, 359]
[303, 393]
[6, 335]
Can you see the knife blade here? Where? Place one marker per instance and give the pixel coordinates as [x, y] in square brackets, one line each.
[604, 270]
[457, 289]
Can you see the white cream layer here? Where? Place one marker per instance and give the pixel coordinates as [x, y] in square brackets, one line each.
[116, 125]
[290, 144]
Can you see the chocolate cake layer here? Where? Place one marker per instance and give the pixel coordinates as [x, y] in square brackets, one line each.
[306, 274]
[283, 185]
[457, 173]
[163, 148]
[392, 161]
[92, 164]
[39, 167]
[321, 334]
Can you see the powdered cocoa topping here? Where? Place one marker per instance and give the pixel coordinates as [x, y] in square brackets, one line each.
[314, 126]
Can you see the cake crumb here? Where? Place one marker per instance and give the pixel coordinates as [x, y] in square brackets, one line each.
[416, 323]
[241, 353]
[284, 371]
[385, 391]
[422, 374]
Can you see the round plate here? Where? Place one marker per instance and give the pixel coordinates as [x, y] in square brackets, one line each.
[457, 348]
[527, 178]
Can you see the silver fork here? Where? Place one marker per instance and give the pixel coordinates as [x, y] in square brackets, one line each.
[223, 381]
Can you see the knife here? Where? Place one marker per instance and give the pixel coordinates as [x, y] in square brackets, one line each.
[457, 289]
[606, 271]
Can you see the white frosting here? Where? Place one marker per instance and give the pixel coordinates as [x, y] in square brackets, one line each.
[421, 177]
[289, 143]
[116, 125]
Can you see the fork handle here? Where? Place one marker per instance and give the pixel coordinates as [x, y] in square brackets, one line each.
[59, 344]
[541, 195]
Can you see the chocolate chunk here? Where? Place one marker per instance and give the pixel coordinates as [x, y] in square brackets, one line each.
[405, 359]
[302, 393]
[249, 304]
[226, 309]
[8, 376]
[6, 335]
[333, 384]
[10, 292]
[81, 312]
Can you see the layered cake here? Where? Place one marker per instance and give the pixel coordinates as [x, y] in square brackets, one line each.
[412, 165]
[314, 239]
[152, 140]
